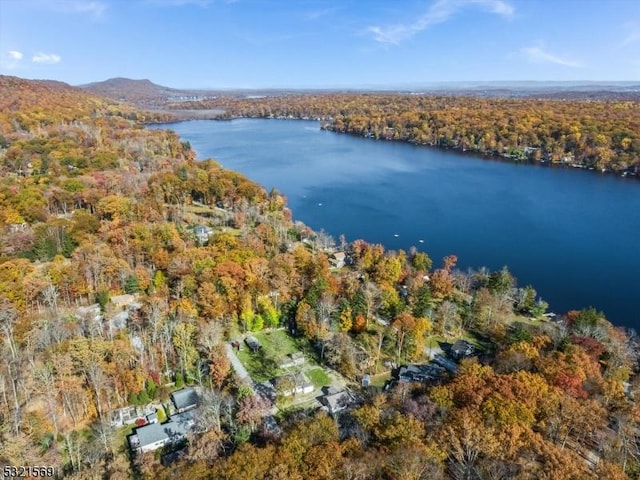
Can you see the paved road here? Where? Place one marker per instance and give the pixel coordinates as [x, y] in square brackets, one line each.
[236, 363]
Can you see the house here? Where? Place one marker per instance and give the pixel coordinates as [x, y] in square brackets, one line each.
[156, 435]
[123, 301]
[419, 373]
[445, 363]
[293, 384]
[337, 259]
[292, 360]
[462, 349]
[184, 399]
[253, 343]
[337, 400]
[366, 380]
[202, 233]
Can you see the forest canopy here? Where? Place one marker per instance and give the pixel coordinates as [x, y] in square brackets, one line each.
[600, 134]
[129, 269]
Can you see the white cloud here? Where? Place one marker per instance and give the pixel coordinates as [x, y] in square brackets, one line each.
[46, 58]
[539, 55]
[10, 60]
[316, 14]
[438, 12]
[95, 9]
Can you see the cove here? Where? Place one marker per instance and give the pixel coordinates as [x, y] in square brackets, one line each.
[571, 234]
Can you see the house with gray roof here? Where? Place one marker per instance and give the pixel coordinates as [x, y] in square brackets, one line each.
[184, 399]
[462, 349]
[337, 400]
[156, 435]
[419, 373]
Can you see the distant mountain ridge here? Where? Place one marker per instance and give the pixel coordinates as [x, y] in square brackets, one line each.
[145, 93]
[139, 92]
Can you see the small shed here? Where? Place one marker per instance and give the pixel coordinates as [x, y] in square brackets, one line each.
[253, 343]
[152, 417]
[292, 360]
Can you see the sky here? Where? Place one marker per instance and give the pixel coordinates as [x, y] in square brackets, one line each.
[320, 43]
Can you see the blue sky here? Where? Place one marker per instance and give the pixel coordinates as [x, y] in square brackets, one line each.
[320, 43]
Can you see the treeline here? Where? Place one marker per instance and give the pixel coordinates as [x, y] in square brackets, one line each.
[93, 206]
[599, 134]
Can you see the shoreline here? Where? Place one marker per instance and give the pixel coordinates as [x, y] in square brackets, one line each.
[468, 152]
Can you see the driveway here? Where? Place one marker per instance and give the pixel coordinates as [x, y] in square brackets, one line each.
[236, 363]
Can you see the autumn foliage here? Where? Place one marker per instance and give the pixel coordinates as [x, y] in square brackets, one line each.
[94, 208]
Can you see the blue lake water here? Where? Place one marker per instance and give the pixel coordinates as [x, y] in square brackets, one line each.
[571, 234]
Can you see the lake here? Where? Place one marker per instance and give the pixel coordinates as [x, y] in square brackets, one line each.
[571, 234]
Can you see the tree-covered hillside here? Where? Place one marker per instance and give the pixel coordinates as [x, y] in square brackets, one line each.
[598, 134]
[129, 270]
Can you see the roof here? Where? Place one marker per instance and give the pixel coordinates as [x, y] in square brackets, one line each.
[252, 343]
[187, 397]
[178, 426]
[461, 344]
[462, 348]
[419, 373]
[150, 434]
[123, 300]
[337, 401]
[182, 422]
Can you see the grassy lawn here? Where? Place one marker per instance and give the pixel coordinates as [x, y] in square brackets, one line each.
[276, 345]
[261, 367]
[525, 320]
[318, 377]
[120, 438]
[433, 341]
[278, 342]
[380, 380]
